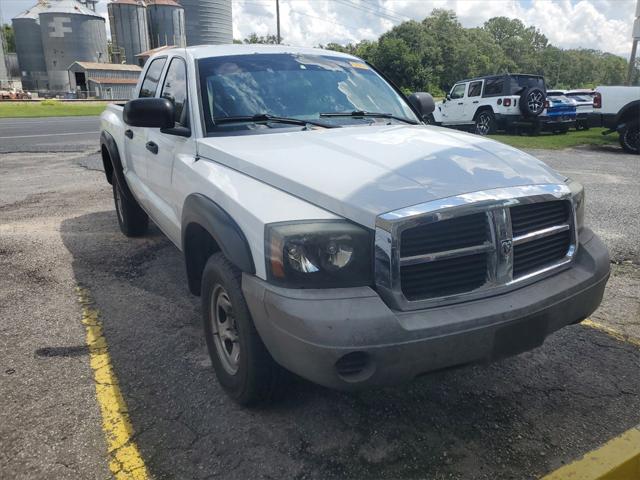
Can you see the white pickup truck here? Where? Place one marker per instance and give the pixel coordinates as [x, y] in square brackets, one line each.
[618, 109]
[330, 232]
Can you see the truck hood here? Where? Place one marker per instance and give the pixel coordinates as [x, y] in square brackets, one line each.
[360, 172]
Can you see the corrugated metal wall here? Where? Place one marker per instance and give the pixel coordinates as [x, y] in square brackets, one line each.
[28, 38]
[129, 29]
[67, 38]
[166, 24]
[208, 22]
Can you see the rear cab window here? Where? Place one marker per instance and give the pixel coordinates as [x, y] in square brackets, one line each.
[152, 78]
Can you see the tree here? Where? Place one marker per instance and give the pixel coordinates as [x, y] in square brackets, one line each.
[268, 39]
[9, 38]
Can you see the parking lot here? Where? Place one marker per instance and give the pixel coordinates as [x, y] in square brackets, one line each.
[519, 418]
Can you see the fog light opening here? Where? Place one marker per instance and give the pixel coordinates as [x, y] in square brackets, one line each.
[355, 367]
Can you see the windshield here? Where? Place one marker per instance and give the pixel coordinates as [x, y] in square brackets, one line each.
[294, 86]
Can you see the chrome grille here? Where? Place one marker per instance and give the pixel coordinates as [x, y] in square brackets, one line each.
[462, 247]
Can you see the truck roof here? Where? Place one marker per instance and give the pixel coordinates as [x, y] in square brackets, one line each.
[205, 51]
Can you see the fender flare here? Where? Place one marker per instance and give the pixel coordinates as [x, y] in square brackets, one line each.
[207, 214]
[482, 108]
[107, 141]
[628, 108]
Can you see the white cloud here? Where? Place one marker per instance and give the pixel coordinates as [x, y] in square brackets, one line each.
[598, 24]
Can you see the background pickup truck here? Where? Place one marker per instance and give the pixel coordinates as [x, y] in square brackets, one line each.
[330, 233]
[618, 109]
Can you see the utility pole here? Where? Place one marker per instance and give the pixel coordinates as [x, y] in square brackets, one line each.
[634, 47]
[278, 18]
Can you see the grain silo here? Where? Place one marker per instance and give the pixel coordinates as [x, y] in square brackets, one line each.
[129, 28]
[166, 23]
[4, 71]
[70, 32]
[33, 68]
[208, 21]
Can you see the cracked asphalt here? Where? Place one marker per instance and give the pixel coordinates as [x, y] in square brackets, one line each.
[518, 418]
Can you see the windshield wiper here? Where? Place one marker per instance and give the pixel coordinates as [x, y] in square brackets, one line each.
[362, 114]
[265, 117]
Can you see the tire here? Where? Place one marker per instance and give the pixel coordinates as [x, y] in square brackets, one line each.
[561, 131]
[580, 126]
[532, 102]
[630, 138]
[133, 221]
[244, 367]
[485, 123]
[430, 119]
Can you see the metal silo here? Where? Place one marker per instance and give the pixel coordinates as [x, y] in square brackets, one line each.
[33, 68]
[208, 21]
[70, 32]
[4, 71]
[129, 28]
[166, 23]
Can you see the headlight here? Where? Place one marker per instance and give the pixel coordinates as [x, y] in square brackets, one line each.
[318, 254]
[577, 196]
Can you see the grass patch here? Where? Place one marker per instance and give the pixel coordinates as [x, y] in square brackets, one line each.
[549, 141]
[50, 108]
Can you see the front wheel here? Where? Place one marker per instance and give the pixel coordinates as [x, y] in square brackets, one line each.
[242, 363]
[485, 123]
[630, 138]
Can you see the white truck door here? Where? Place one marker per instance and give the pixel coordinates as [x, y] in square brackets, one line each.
[471, 101]
[136, 138]
[168, 145]
[452, 109]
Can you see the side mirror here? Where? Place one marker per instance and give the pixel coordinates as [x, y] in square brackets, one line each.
[149, 112]
[423, 103]
[448, 97]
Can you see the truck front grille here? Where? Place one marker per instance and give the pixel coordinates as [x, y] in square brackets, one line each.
[444, 277]
[462, 247]
[445, 257]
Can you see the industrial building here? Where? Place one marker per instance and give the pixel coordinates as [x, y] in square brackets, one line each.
[52, 35]
[109, 81]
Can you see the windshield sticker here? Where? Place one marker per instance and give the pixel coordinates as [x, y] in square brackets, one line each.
[360, 65]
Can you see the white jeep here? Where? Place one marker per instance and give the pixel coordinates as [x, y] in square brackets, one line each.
[498, 102]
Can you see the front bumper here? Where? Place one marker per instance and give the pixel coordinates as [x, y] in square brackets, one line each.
[308, 331]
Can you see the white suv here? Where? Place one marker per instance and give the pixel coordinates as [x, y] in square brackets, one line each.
[493, 103]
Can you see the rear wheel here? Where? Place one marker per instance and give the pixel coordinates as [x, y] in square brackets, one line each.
[485, 123]
[630, 138]
[133, 221]
[242, 363]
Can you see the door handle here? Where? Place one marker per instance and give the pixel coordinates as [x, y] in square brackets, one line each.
[460, 103]
[128, 133]
[476, 101]
[152, 147]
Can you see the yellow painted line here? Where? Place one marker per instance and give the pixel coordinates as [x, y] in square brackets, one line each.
[612, 333]
[618, 459]
[125, 461]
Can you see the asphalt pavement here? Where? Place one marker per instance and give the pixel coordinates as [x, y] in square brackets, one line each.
[518, 418]
[52, 134]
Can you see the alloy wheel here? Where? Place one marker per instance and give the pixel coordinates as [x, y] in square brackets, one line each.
[483, 124]
[535, 101]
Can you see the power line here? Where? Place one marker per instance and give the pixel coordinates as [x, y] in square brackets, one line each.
[324, 19]
[394, 17]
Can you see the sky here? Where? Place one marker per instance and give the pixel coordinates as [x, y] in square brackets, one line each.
[600, 24]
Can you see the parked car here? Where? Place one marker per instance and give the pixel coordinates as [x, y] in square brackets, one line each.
[14, 94]
[488, 104]
[584, 105]
[329, 232]
[618, 110]
[559, 114]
